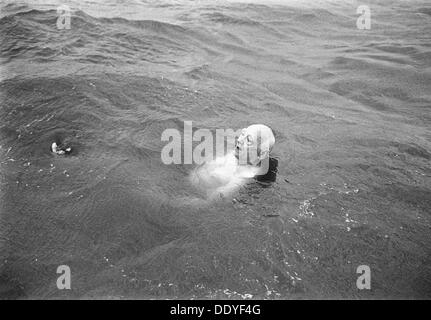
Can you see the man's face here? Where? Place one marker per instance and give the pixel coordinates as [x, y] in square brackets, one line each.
[247, 147]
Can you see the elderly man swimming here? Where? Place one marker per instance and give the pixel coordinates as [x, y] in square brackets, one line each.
[249, 158]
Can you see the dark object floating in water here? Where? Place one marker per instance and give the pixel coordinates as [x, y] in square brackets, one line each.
[60, 149]
[271, 215]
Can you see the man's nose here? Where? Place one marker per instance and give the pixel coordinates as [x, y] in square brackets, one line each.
[240, 141]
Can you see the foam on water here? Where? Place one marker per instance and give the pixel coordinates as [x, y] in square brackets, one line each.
[222, 176]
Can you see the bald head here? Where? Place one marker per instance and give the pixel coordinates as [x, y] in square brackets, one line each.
[254, 144]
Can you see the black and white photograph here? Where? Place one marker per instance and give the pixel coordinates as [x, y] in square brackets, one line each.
[222, 150]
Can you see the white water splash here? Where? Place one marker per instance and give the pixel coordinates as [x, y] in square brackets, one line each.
[222, 176]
